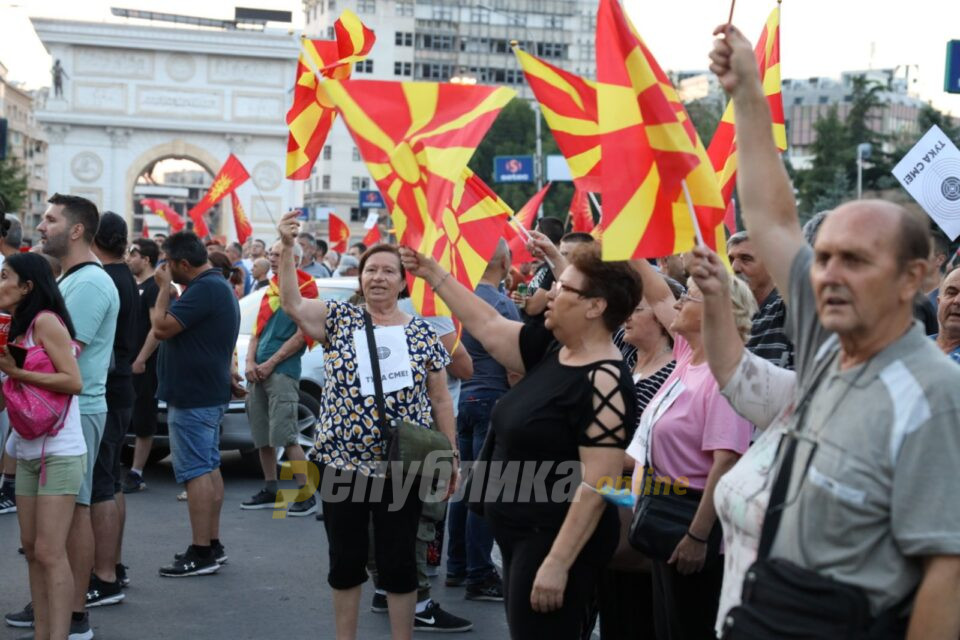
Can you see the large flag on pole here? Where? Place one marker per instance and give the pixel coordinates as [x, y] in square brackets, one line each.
[416, 139]
[463, 240]
[723, 146]
[569, 105]
[244, 230]
[525, 219]
[231, 175]
[647, 134]
[339, 233]
[166, 212]
[312, 115]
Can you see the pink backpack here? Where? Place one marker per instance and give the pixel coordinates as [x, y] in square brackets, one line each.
[33, 411]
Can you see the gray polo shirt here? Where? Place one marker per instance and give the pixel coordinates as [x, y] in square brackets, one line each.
[881, 490]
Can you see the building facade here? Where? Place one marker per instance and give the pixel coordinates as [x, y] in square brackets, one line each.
[441, 41]
[27, 146]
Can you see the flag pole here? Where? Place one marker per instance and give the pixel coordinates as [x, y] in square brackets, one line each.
[733, 3]
[526, 234]
[693, 213]
[264, 201]
[593, 199]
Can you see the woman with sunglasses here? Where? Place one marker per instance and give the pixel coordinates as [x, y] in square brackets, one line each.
[691, 436]
[760, 392]
[574, 409]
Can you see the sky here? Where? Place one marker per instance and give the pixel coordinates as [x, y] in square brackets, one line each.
[818, 37]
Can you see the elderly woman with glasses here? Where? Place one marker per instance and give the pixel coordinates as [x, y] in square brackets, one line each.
[688, 438]
[574, 409]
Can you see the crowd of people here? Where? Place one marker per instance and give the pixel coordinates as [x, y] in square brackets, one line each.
[781, 435]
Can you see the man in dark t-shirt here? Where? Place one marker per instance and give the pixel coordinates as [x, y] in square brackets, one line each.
[106, 500]
[199, 333]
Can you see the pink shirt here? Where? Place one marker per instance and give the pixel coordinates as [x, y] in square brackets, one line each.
[697, 422]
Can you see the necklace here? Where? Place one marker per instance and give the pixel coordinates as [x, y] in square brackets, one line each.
[655, 358]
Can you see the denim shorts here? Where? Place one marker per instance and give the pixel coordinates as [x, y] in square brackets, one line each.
[194, 440]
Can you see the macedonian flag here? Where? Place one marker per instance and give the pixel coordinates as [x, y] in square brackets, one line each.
[231, 175]
[311, 116]
[525, 219]
[339, 234]
[416, 139]
[463, 240]
[271, 302]
[569, 105]
[647, 134]
[244, 230]
[723, 146]
[166, 212]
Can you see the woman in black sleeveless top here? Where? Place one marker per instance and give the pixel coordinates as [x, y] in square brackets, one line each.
[568, 420]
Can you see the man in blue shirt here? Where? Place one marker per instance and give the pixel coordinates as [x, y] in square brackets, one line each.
[273, 381]
[468, 554]
[235, 252]
[199, 333]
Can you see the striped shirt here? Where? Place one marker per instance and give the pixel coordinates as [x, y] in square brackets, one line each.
[767, 338]
[646, 387]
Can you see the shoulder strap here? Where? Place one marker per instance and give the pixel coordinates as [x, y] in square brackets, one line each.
[375, 368]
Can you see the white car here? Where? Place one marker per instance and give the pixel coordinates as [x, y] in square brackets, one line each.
[235, 430]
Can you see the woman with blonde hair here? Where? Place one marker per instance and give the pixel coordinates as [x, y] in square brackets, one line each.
[688, 438]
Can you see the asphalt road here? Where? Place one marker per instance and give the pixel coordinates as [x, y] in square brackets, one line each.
[274, 585]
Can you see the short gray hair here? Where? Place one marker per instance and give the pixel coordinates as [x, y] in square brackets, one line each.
[738, 238]
[812, 226]
[14, 237]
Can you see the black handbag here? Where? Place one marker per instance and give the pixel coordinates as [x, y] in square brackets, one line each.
[419, 450]
[783, 600]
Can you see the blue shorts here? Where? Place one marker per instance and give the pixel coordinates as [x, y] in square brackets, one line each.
[194, 441]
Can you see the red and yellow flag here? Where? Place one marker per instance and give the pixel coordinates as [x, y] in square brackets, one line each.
[723, 146]
[372, 237]
[311, 116]
[416, 139]
[231, 175]
[339, 233]
[526, 218]
[581, 219]
[244, 230]
[145, 232]
[569, 105]
[166, 212]
[271, 302]
[463, 240]
[647, 134]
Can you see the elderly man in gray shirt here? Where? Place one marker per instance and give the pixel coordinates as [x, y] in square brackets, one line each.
[867, 488]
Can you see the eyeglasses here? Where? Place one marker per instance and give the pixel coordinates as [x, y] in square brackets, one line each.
[686, 297]
[561, 287]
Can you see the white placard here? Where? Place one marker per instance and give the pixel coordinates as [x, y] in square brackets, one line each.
[395, 370]
[930, 172]
[372, 219]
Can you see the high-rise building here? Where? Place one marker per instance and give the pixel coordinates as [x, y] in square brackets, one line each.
[26, 144]
[442, 41]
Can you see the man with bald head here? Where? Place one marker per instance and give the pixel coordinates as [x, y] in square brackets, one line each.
[863, 490]
[948, 315]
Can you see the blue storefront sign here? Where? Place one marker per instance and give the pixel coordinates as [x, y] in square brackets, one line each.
[513, 169]
[372, 200]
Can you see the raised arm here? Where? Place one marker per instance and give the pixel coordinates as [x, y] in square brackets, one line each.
[766, 195]
[721, 340]
[309, 314]
[499, 336]
[656, 293]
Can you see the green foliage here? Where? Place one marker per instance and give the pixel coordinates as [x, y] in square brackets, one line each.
[705, 115]
[514, 133]
[13, 185]
[820, 182]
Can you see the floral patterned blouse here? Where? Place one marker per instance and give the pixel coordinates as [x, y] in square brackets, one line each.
[348, 435]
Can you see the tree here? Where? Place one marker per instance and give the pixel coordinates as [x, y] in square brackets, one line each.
[13, 185]
[866, 106]
[831, 156]
[705, 114]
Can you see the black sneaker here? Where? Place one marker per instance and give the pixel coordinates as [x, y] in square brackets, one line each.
[219, 553]
[379, 603]
[22, 619]
[80, 629]
[133, 483]
[122, 576]
[190, 564]
[8, 500]
[261, 500]
[101, 592]
[455, 581]
[490, 590]
[306, 507]
[436, 619]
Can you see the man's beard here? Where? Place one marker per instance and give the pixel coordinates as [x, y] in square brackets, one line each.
[56, 246]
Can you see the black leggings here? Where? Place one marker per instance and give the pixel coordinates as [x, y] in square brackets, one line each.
[348, 514]
[685, 607]
[523, 553]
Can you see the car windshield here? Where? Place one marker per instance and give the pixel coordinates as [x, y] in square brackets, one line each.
[250, 304]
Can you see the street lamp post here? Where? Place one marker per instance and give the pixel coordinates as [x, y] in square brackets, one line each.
[864, 149]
